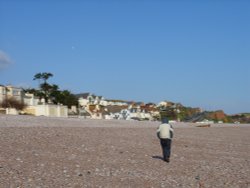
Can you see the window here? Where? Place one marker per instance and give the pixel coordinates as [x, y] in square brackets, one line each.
[15, 92]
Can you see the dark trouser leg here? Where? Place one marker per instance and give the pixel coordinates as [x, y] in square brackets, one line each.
[166, 148]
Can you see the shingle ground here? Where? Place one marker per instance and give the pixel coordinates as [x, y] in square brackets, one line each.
[61, 152]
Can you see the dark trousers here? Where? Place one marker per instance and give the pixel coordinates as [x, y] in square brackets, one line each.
[166, 148]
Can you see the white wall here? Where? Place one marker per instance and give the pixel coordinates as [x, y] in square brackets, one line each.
[11, 111]
[51, 110]
[30, 99]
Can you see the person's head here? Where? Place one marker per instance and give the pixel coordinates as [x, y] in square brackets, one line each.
[164, 120]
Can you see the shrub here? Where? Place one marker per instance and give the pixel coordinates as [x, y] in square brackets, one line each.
[12, 103]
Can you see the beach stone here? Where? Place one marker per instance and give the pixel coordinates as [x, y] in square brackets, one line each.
[67, 152]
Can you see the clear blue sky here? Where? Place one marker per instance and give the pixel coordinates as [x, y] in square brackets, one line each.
[192, 52]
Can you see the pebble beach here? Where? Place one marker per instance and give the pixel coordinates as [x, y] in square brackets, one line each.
[74, 152]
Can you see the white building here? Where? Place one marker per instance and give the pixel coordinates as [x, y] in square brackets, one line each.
[32, 102]
[86, 99]
[11, 92]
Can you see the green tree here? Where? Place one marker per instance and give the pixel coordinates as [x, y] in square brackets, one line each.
[43, 76]
[67, 98]
[44, 87]
[52, 92]
[55, 93]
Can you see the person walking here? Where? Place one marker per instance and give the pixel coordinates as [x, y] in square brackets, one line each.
[165, 133]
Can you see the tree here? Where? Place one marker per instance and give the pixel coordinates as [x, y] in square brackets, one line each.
[43, 76]
[70, 99]
[44, 87]
[52, 92]
[65, 97]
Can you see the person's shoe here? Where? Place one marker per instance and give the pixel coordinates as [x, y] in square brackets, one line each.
[167, 160]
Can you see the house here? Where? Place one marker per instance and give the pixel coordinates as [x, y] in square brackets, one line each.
[34, 107]
[98, 112]
[85, 99]
[115, 111]
[96, 107]
[99, 108]
[136, 111]
[31, 100]
[165, 104]
[147, 111]
[92, 106]
[140, 111]
[112, 102]
[11, 92]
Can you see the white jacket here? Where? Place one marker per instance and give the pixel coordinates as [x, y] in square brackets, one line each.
[165, 131]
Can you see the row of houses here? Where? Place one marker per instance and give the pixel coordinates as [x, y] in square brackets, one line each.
[34, 106]
[97, 107]
[90, 106]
